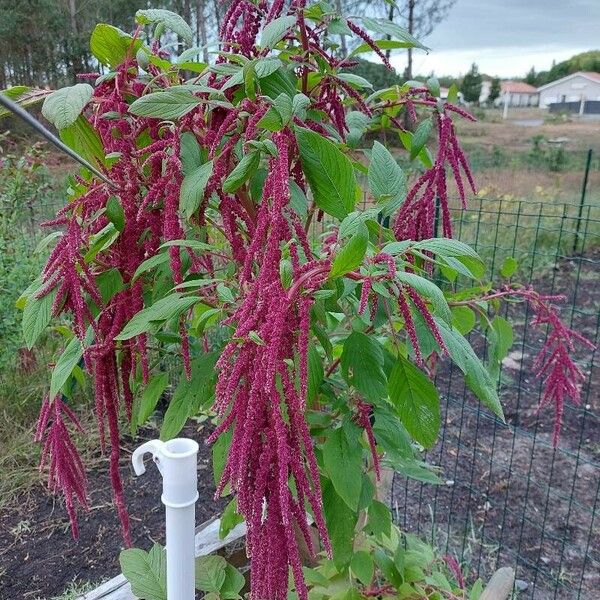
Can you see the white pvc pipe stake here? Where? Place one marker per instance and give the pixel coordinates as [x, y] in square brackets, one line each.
[177, 462]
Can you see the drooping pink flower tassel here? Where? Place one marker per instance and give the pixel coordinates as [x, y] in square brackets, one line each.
[66, 471]
[364, 420]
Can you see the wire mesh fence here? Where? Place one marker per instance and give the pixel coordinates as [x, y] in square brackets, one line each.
[509, 497]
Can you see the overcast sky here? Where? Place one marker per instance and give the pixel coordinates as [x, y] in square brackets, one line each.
[507, 37]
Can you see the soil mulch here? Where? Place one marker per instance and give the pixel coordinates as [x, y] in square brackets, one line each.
[38, 556]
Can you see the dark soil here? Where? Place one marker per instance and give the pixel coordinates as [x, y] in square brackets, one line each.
[510, 498]
[38, 556]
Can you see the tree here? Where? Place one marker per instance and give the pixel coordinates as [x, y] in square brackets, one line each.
[531, 76]
[494, 89]
[471, 85]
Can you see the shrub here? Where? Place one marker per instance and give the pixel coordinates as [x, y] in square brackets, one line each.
[316, 355]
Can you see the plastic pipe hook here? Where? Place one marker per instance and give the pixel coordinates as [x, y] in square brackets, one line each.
[177, 462]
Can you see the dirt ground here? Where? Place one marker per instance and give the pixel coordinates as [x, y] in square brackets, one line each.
[512, 140]
[39, 558]
[507, 491]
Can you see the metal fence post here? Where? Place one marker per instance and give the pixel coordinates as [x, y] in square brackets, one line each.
[582, 201]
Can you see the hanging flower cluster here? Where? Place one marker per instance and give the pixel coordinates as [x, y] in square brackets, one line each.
[554, 365]
[66, 470]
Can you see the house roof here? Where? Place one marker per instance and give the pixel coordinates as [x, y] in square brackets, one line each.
[517, 87]
[592, 76]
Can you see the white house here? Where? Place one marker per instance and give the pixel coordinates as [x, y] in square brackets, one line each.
[577, 87]
[517, 93]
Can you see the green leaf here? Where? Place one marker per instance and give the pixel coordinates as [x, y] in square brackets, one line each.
[115, 213]
[452, 94]
[64, 366]
[379, 519]
[391, 434]
[394, 31]
[355, 80]
[63, 106]
[500, 339]
[84, 140]
[36, 316]
[210, 573]
[101, 241]
[229, 519]
[434, 86]
[416, 401]
[355, 220]
[342, 457]
[149, 264]
[463, 318]
[387, 181]
[168, 104]
[298, 199]
[284, 106]
[476, 590]
[382, 45]
[242, 172]
[220, 451]
[164, 309]
[109, 283]
[110, 45]
[476, 375]
[329, 173]
[233, 584]
[362, 566]
[276, 30]
[190, 153]
[427, 288]
[156, 386]
[300, 103]
[146, 572]
[388, 568]
[190, 395]
[341, 521]
[167, 19]
[509, 267]
[446, 247]
[350, 254]
[406, 137]
[362, 365]
[192, 189]
[262, 68]
[315, 373]
[420, 137]
[271, 120]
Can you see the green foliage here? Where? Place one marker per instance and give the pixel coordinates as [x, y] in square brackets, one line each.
[25, 189]
[471, 84]
[147, 574]
[390, 564]
[329, 173]
[146, 571]
[585, 61]
[377, 74]
[495, 89]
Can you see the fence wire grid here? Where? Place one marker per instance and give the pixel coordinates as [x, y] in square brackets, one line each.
[509, 497]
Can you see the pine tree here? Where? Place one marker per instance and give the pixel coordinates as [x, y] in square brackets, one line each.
[494, 89]
[471, 85]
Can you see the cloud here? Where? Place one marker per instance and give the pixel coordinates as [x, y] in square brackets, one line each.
[507, 37]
